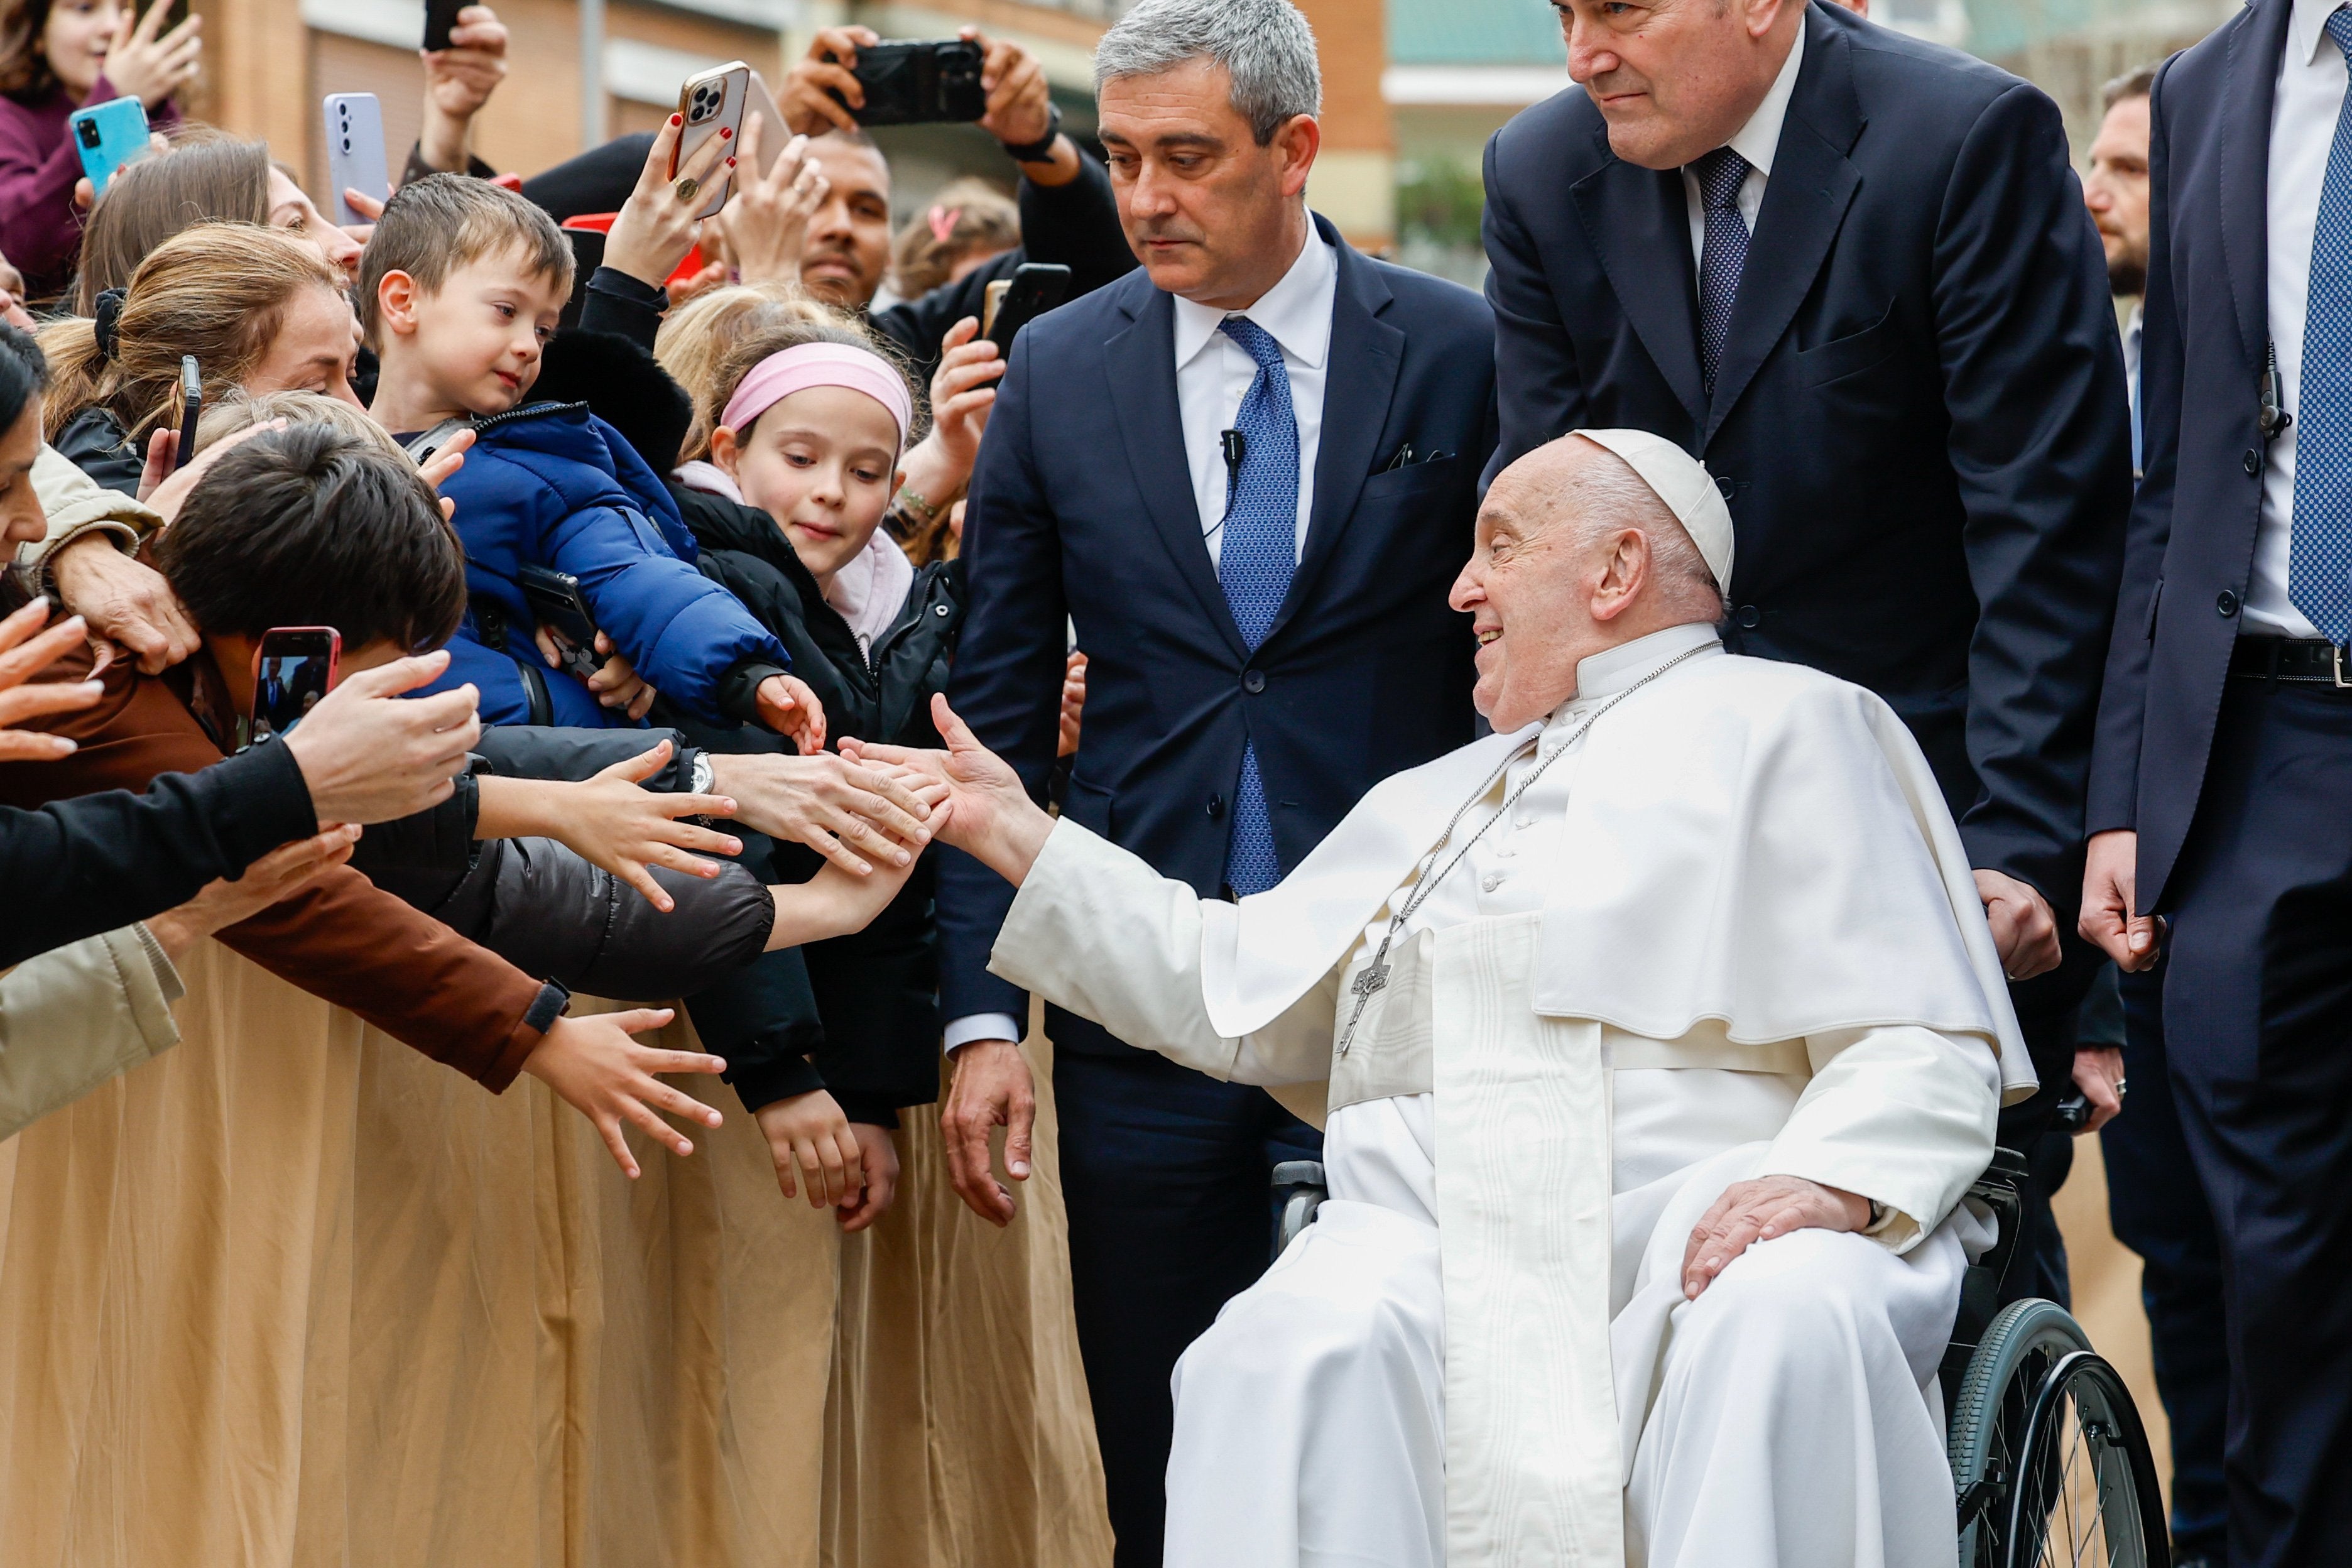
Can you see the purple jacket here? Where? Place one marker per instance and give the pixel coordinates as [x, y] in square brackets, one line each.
[39, 230]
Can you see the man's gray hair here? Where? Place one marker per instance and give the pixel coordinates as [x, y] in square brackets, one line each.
[1265, 45]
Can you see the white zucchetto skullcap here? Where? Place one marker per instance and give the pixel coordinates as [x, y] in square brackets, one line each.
[1682, 482]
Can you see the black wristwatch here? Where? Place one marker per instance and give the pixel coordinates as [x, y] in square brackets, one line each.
[1041, 150]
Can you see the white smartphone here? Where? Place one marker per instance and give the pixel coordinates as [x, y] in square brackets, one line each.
[709, 103]
[759, 101]
[355, 159]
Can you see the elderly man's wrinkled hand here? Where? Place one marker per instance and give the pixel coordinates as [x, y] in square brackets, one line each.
[1750, 1212]
[125, 602]
[851, 814]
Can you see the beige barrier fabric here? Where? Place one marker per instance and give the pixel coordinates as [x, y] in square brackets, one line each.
[292, 1294]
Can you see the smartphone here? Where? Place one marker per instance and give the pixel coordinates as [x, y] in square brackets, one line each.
[440, 16]
[292, 669]
[711, 101]
[108, 136]
[192, 408]
[932, 82]
[1011, 304]
[355, 159]
[557, 603]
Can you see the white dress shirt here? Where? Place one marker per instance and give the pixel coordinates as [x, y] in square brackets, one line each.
[1757, 142]
[2135, 334]
[2303, 129]
[1212, 374]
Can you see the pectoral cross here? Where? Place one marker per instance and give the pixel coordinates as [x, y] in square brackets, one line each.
[1369, 979]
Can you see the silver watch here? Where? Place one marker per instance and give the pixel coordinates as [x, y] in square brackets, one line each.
[703, 778]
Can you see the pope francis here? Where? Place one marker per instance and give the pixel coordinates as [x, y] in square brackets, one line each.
[1656, 1039]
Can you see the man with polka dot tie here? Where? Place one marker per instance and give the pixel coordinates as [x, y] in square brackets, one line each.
[2222, 857]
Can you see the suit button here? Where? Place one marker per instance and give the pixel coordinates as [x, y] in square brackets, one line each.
[1748, 615]
[2253, 461]
[1216, 806]
[1724, 485]
[2227, 603]
[1253, 681]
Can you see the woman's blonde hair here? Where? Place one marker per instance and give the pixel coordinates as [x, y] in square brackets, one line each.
[239, 411]
[969, 218]
[217, 290]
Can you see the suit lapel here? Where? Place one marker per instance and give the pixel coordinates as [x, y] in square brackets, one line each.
[1639, 223]
[1141, 363]
[1359, 376]
[2256, 42]
[1805, 200]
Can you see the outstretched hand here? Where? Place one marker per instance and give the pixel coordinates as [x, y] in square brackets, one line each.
[24, 655]
[1750, 1212]
[627, 830]
[990, 815]
[595, 1064]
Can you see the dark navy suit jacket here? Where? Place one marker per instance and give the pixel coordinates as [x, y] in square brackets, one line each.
[2207, 328]
[1919, 420]
[1083, 506]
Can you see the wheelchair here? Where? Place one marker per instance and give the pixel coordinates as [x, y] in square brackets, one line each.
[2050, 1462]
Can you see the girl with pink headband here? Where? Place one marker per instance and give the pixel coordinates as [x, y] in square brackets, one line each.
[810, 422]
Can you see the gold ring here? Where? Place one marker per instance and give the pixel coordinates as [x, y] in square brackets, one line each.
[688, 187]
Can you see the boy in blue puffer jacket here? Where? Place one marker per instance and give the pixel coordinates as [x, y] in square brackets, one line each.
[461, 289]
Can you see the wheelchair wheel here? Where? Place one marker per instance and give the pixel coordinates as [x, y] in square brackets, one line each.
[2048, 1457]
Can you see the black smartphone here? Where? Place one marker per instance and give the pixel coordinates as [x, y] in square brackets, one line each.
[440, 16]
[557, 603]
[293, 668]
[587, 255]
[1035, 288]
[934, 82]
[192, 408]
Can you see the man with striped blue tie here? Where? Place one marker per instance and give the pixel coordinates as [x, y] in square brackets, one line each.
[2221, 859]
[1246, 473]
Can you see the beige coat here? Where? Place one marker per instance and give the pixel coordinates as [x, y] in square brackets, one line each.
[74, 1017]
[78, 505]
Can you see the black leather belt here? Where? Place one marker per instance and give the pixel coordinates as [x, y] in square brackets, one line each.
[2304, 662]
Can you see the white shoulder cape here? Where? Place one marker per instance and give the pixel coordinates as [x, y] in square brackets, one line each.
[1747, 841]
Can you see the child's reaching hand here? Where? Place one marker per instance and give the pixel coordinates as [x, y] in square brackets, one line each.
[808, 1134]
[881, 1153]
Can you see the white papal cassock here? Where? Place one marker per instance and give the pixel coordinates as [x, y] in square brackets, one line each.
[1728, 932]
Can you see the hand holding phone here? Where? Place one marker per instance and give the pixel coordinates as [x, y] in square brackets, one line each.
[1011, 304]
[108, 137]
[557, 602]
[355, 156]
[931, 82]
[192, 408]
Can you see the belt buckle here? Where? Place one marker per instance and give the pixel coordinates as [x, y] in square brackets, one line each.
[2337, 653]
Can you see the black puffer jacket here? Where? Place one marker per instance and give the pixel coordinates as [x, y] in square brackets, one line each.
[877, 991]
[93, 441]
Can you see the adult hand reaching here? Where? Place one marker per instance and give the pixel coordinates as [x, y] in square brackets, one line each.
[656, 226]
[370, 755]
[2110, 898]
[2023, 929]
[992, 1088]
[990, 815]
[851, 814]
[24, 655]
[272, 879]
[608, 1078]
[1750, 1212]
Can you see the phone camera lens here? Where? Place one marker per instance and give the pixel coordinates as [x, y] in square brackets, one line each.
[90, 137]
[347, 143]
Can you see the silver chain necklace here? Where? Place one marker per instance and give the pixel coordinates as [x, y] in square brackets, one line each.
[1375, 975]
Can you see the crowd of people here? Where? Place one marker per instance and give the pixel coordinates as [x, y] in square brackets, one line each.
[702, 639]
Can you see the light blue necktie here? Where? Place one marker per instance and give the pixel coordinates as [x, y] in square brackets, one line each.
[2319, 557]
[1257, 558]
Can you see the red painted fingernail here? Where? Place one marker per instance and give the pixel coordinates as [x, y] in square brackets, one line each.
[677, 119]
[725, 131]
[731, 163]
